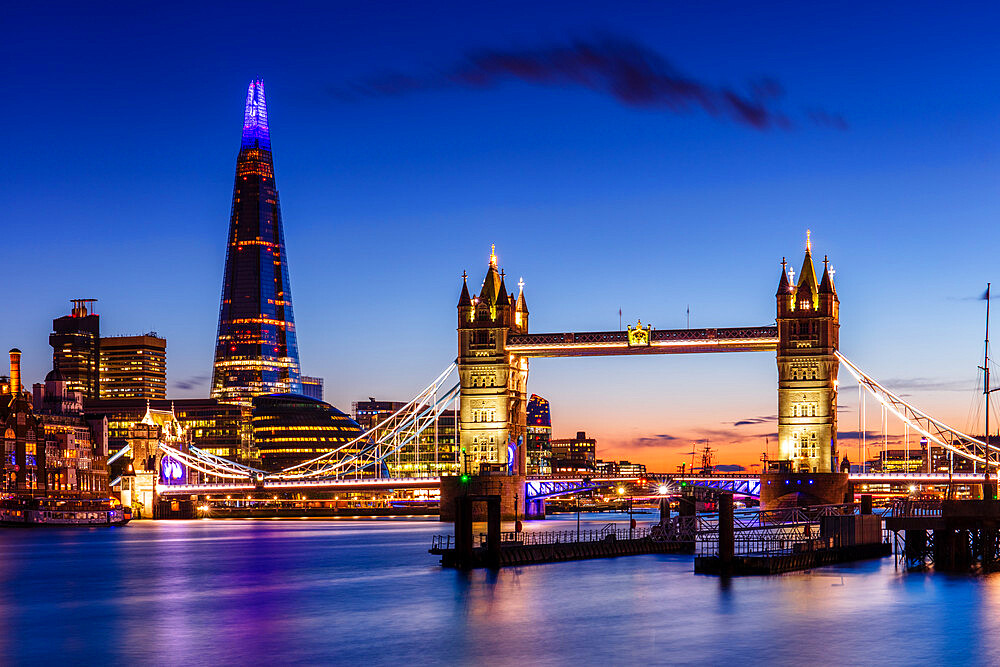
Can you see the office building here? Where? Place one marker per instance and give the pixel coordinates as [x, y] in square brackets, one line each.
[539, 440]
[134, 367]
[371, 412]
[437, 451]
[76, 348]
[580, 448]
[256, 351]
[312, 387]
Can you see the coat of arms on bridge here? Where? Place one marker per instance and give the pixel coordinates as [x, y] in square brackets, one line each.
[639, 336]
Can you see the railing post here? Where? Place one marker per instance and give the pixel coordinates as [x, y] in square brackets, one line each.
[727, 532]
[493, 529]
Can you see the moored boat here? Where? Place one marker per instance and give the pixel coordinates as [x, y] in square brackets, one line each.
[29, 511]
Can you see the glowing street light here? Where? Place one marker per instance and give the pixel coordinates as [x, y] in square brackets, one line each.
[621, 490]
[662, 489]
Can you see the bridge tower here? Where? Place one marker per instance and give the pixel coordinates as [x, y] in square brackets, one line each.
[808, 337]
[493, 405]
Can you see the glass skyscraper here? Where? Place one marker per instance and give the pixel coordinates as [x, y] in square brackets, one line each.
[256, 352]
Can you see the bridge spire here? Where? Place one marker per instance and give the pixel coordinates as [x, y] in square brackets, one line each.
[808, 287]
[826, 286]
[783, 286]
[465, 299]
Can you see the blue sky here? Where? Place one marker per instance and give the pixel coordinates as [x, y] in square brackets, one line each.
[123, 125]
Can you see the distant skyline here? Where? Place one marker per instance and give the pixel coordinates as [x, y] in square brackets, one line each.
[647, 158]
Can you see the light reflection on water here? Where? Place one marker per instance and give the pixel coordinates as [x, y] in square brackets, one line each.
[367, 591]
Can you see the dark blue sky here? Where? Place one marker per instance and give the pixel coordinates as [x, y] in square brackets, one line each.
[123, 123]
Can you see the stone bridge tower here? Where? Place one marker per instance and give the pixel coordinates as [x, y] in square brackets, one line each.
[493, 405]
[808, 337]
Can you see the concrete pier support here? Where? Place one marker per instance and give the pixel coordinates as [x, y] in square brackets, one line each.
[509, 488]
[784, 489]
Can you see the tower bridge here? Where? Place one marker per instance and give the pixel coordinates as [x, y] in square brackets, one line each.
[495, 346]
[487, 384]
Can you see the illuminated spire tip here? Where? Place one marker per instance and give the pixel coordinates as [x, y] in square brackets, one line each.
[809, 245]
[493, 254]
[255, 131]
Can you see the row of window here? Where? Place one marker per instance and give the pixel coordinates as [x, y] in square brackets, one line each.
[489, 415]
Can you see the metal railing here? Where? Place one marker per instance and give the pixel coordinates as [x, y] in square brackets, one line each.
[777, 539]
[443, 542]
[514, 539]
[566, 536]
[904, 507]
[755, 531]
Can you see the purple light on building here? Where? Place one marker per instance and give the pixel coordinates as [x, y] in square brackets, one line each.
[255, 131]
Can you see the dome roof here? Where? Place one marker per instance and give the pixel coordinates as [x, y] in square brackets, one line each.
[55, 376]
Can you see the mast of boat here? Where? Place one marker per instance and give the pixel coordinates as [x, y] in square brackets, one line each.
[987, 485]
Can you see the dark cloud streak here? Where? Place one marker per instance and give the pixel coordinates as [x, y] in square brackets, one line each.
[630, 73]
[191, 382]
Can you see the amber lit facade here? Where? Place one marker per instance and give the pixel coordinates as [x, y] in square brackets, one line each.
[809, 334]
[436, 452]
[49, 446]
[134, 367]
[539, 439]
[76, 348]
[493, 401]
[256, 351]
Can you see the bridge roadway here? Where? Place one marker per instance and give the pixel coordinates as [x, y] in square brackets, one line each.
[666, 341]
[749, 484]
[538, 486]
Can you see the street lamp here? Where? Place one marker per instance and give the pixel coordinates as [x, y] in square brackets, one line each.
[662, 489]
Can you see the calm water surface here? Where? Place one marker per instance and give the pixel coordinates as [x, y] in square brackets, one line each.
[367, 592]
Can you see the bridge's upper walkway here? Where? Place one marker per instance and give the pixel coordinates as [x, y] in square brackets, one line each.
[665, 341]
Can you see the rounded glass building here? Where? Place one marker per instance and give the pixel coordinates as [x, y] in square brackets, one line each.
[291, 428]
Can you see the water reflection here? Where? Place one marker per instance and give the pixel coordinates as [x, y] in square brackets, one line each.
[367, 591]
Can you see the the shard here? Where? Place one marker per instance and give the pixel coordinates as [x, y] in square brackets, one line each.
[256, 351]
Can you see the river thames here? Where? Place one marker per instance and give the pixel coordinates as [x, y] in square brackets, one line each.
[367, 592]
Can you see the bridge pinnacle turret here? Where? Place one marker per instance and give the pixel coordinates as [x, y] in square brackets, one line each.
[465, 299]
[826, 286]
[784, 287]
[807, 288]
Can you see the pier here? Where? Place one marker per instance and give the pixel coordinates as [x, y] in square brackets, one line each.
[513, 548]
[946, 535]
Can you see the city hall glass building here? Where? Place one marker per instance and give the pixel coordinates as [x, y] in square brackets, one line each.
[289, 429]
[256, 351]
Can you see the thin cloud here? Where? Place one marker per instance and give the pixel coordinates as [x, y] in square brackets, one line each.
[659, 440]
[924, 384]
[625, 70]
[192, 382]
[826, 119]
[900, 385]
[756, 420]
[729, 467]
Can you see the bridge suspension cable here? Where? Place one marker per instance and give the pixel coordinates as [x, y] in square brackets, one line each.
[936, 431]
[364, 454]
